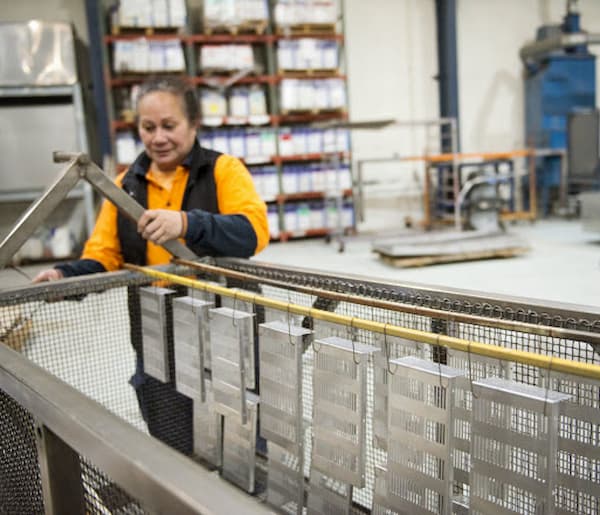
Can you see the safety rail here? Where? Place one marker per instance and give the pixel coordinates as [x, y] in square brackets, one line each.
[536, 361]
[70, 428]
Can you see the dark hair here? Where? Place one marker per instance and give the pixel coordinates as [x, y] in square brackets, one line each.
[176, 86]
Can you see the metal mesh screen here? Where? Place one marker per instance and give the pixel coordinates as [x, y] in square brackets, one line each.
[20, 482]
[88, 333]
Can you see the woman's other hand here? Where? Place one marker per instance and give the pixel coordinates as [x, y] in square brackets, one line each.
[52, 274]
[162, 225]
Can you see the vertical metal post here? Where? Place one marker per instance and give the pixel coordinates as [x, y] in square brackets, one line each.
[60, 471]
[94, 19]
[448, 63]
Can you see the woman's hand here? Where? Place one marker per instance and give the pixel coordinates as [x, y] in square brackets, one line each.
[52, 274]
[162, 225]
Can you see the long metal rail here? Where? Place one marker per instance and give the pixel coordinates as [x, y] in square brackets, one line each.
[510, 325]
[491, 351]
[69, 423]
[79, 167]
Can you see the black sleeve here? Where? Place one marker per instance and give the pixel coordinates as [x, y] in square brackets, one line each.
[220, 235]
[81, 267]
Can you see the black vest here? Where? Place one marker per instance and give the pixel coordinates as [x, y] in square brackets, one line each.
[200, 193]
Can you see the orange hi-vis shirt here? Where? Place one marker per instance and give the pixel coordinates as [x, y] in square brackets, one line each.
[236, 194]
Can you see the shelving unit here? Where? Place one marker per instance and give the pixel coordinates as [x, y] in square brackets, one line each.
[280, 144]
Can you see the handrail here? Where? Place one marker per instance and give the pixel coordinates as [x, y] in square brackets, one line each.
[147, 469]
[550, 363]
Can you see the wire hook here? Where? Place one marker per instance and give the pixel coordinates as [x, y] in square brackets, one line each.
[386, 349]
[352, 340]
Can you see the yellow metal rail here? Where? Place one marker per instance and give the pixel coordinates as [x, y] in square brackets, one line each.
[549, 363]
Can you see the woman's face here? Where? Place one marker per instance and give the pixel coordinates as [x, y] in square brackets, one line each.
[166, 133]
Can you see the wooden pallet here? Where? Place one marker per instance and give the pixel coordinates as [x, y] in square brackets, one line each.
[117, 30]
[257, 27]
[308, 29]
[326, 72]
[410, 262]
[291, 112]
[15, 327]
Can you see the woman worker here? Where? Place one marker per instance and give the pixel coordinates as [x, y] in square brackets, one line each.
[205, 197]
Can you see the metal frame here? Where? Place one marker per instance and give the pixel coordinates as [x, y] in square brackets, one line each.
[145, 468]
[73, 91]
[79, 167]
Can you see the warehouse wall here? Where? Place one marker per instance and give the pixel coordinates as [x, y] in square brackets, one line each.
[490, 35]
[49, 10]
[392, 64]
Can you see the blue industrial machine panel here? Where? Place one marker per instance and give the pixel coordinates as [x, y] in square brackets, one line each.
[562, 84]
[561, 80]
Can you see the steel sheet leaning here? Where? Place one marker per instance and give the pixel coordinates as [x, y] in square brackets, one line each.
[239, 447]
[232, 340]
[339, 408]
[156, 315]
[191, 336]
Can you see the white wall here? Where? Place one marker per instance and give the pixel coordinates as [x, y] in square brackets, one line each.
[490, 34]
[392, 63]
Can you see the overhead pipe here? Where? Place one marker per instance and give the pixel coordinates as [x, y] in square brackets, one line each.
[534, 52]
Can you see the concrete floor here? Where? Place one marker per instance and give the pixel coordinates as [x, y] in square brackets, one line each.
[563, 264]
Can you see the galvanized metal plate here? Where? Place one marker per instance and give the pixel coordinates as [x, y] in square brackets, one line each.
[420, 431]
[578, 449]
[281, 349]
[239, 447]
[381, 504]
[208, 429]
[339, 408]
[391, 347]
[191, 337]
[241, 327]
[156, 312]
[327, 496]
[514, 446]
[232, 339]
[285, 481]
[444, 243]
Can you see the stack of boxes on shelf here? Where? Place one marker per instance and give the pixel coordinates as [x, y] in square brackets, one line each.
[265, 75]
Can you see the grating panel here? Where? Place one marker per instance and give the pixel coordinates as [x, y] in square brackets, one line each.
[339, 408]
[285, 482]
[327, 496]
[420, 417]
[20, 480]
[381, 503]
[514, 447]
[391, 347]
[578, 445]
[281, 348]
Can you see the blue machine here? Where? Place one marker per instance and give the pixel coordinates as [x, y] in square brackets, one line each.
[561, 79]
